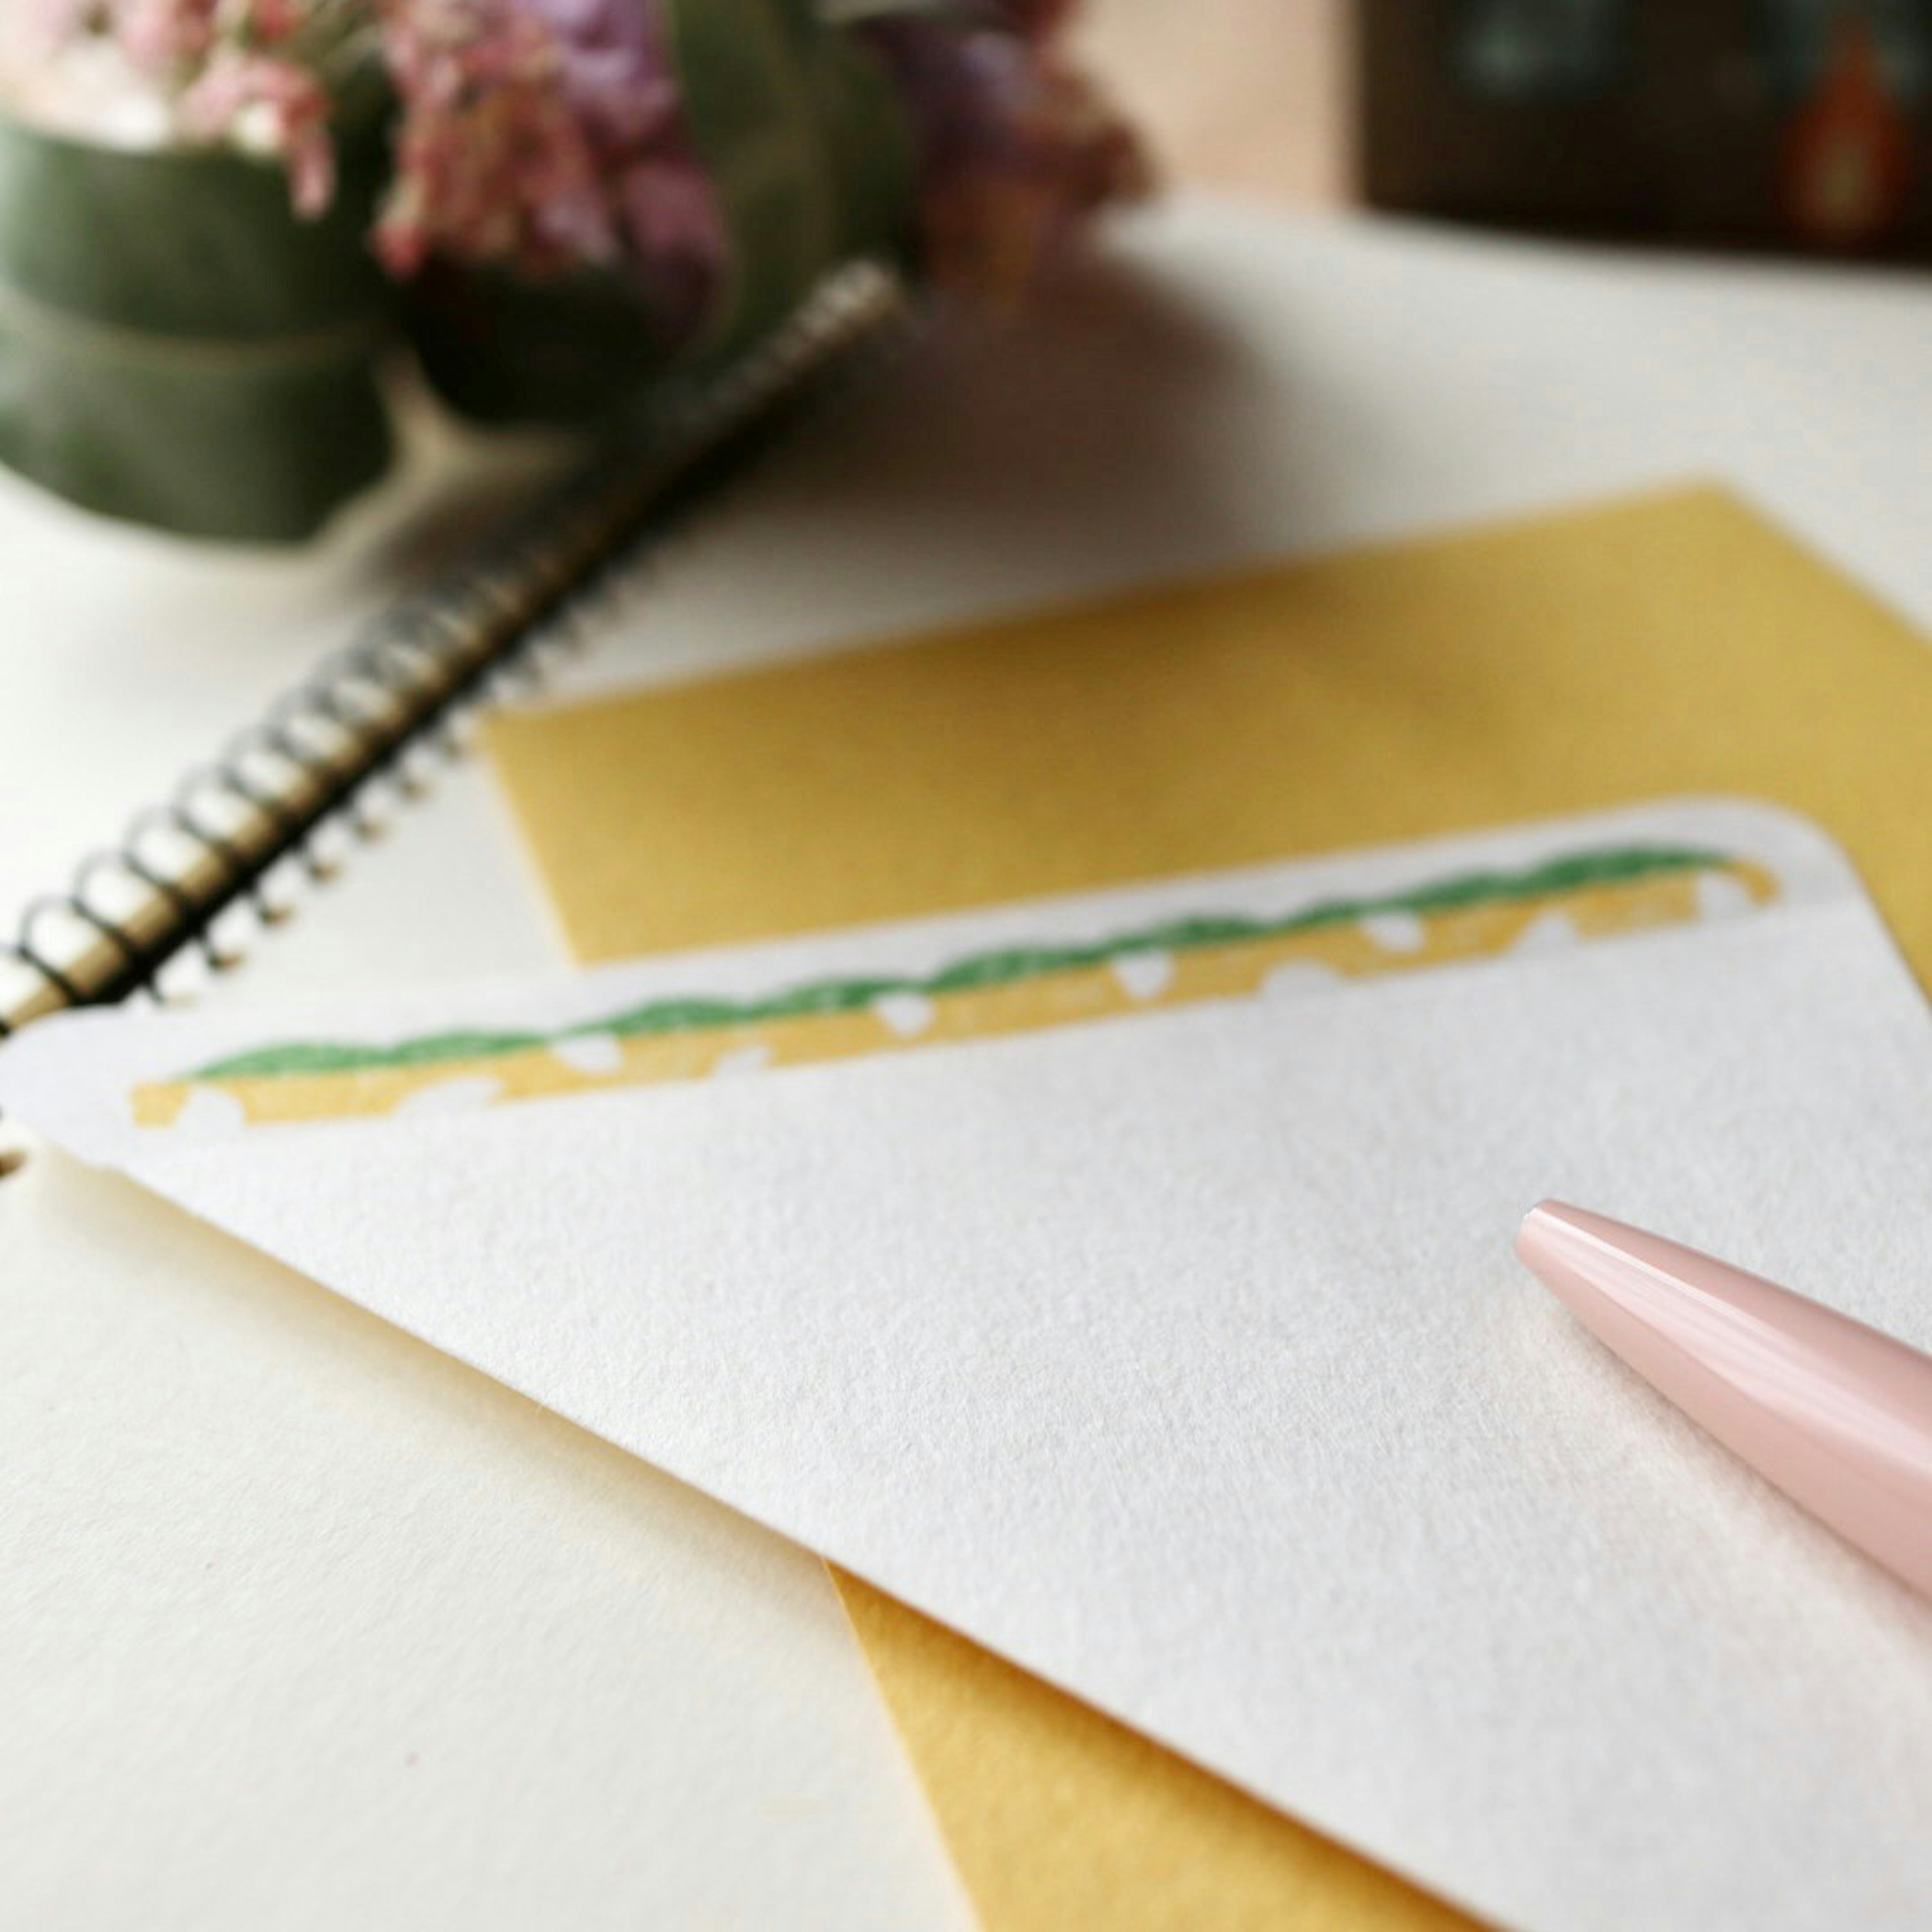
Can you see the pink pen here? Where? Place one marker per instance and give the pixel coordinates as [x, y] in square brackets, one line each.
[1835, 1414]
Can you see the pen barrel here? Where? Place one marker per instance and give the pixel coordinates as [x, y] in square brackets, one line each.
[1838, 1415]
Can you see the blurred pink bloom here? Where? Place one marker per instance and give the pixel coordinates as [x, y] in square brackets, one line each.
[1019, 150]
[171, 39]
[543, 136]
[277, 20]
[257, 73]
[287, 108]
[163, 37]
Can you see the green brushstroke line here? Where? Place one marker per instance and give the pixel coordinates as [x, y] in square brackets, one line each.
[328, 1056]
[978, 971]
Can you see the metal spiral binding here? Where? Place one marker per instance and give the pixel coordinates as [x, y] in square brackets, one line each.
[427, 666]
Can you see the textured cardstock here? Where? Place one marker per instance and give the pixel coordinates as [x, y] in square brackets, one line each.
[1179, 1356]
[1673, 642]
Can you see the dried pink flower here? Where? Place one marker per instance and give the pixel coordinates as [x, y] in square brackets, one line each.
[260, 73]
[1018, 148]
[162, 37]
[544, 136]
[273, 103]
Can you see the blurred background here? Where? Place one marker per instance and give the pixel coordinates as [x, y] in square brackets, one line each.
[1767, 125]
[1252, 96]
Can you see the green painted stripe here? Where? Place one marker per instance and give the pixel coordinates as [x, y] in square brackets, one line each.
[1616, 865]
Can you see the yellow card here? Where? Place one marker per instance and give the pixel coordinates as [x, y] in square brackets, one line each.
[1669, 645]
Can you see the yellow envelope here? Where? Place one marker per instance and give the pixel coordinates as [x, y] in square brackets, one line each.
[1672, 643]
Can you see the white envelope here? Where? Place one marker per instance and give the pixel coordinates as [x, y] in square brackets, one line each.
[1181, 1356]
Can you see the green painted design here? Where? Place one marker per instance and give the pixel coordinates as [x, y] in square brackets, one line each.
[1615, 865]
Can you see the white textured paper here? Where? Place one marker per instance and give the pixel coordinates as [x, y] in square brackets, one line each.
[1182, 1358]
[308, 1627]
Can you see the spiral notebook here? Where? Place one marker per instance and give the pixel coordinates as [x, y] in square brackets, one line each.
[409, 685]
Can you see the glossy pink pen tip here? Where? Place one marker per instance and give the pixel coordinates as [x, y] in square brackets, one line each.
[1836, 1414]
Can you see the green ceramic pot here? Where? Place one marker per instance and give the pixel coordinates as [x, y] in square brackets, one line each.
[177, 346]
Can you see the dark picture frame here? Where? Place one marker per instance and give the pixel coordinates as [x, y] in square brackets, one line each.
[1771, 124]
